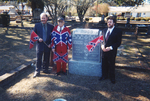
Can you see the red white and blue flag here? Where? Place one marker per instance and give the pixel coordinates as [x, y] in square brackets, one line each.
[60, 57]
[33, 38]
[64, 37]
[92, 44]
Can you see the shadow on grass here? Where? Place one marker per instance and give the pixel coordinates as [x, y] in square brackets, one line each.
[14, 49]
[83, 88]
[131, 84]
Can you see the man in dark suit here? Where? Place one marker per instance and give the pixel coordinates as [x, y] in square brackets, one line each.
[113, 37]
[43, 30]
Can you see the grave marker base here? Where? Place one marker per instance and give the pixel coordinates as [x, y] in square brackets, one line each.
[86, 68]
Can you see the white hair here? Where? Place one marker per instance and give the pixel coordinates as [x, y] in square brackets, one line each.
[42, 14]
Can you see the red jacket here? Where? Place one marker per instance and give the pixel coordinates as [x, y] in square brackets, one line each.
[61, 42]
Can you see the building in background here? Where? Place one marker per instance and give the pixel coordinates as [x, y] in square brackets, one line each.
[146, 1]
[129, 11]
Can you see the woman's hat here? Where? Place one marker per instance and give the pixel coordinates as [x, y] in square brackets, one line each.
[60, 18]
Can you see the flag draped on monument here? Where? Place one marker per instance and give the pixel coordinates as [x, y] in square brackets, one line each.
[33, 38]
[92, 44]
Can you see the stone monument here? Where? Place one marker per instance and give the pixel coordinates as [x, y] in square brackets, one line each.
[84, 62]
[12, 12]
[128, 22]
[102, 22]
[36, 15]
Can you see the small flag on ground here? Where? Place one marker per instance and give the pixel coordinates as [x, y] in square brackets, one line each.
[33, 37]
[92, 44]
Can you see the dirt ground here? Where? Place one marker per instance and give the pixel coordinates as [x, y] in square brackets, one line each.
[132, 74]
[14, 48]
[134, 53]
[131, 85]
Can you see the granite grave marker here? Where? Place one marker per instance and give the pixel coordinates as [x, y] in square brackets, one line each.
[84, 62]
[36, 15]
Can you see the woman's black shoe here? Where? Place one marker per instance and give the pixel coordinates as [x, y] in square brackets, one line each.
[65, 73]
[58, 73]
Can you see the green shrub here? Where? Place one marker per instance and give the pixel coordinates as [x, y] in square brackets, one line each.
[126, 18]
[90, 18]
[138, 18]
[121, 18]
[132, 18]
[86, 19]
[143, 19]
[147, 18]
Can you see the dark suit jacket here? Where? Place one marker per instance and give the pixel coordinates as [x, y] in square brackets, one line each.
[114, 40]
[38, 29]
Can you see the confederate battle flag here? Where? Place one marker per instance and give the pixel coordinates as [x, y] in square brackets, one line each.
[33, 37]
[92, 44]
[60, 57]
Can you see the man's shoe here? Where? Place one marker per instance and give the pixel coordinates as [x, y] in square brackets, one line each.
[102, 78]
[113, 81]
[58, 73]
[36, 74]
[46, 71]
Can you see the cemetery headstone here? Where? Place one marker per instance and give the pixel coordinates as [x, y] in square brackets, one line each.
[36, 15]
[84, 62]
[12, 12]
[102, 22]
[103, 16]
[128, 22]
[5, 19]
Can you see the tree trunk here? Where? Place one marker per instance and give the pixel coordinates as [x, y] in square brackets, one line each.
[55, 16]
[22, 14]
[81, 18]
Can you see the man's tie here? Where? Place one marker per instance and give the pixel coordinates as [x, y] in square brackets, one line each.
[44, 33]
[107, 35]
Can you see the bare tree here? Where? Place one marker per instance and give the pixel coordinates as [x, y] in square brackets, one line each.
[82, 6]
[55, 8]
[15, 3]
[102, 8]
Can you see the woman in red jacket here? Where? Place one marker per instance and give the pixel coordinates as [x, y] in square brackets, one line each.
[61, 44]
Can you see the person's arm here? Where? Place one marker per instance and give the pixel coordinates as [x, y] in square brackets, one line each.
[35, 30]
[51, 29]
[119, 39]
[103, 43]
[52, 41]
